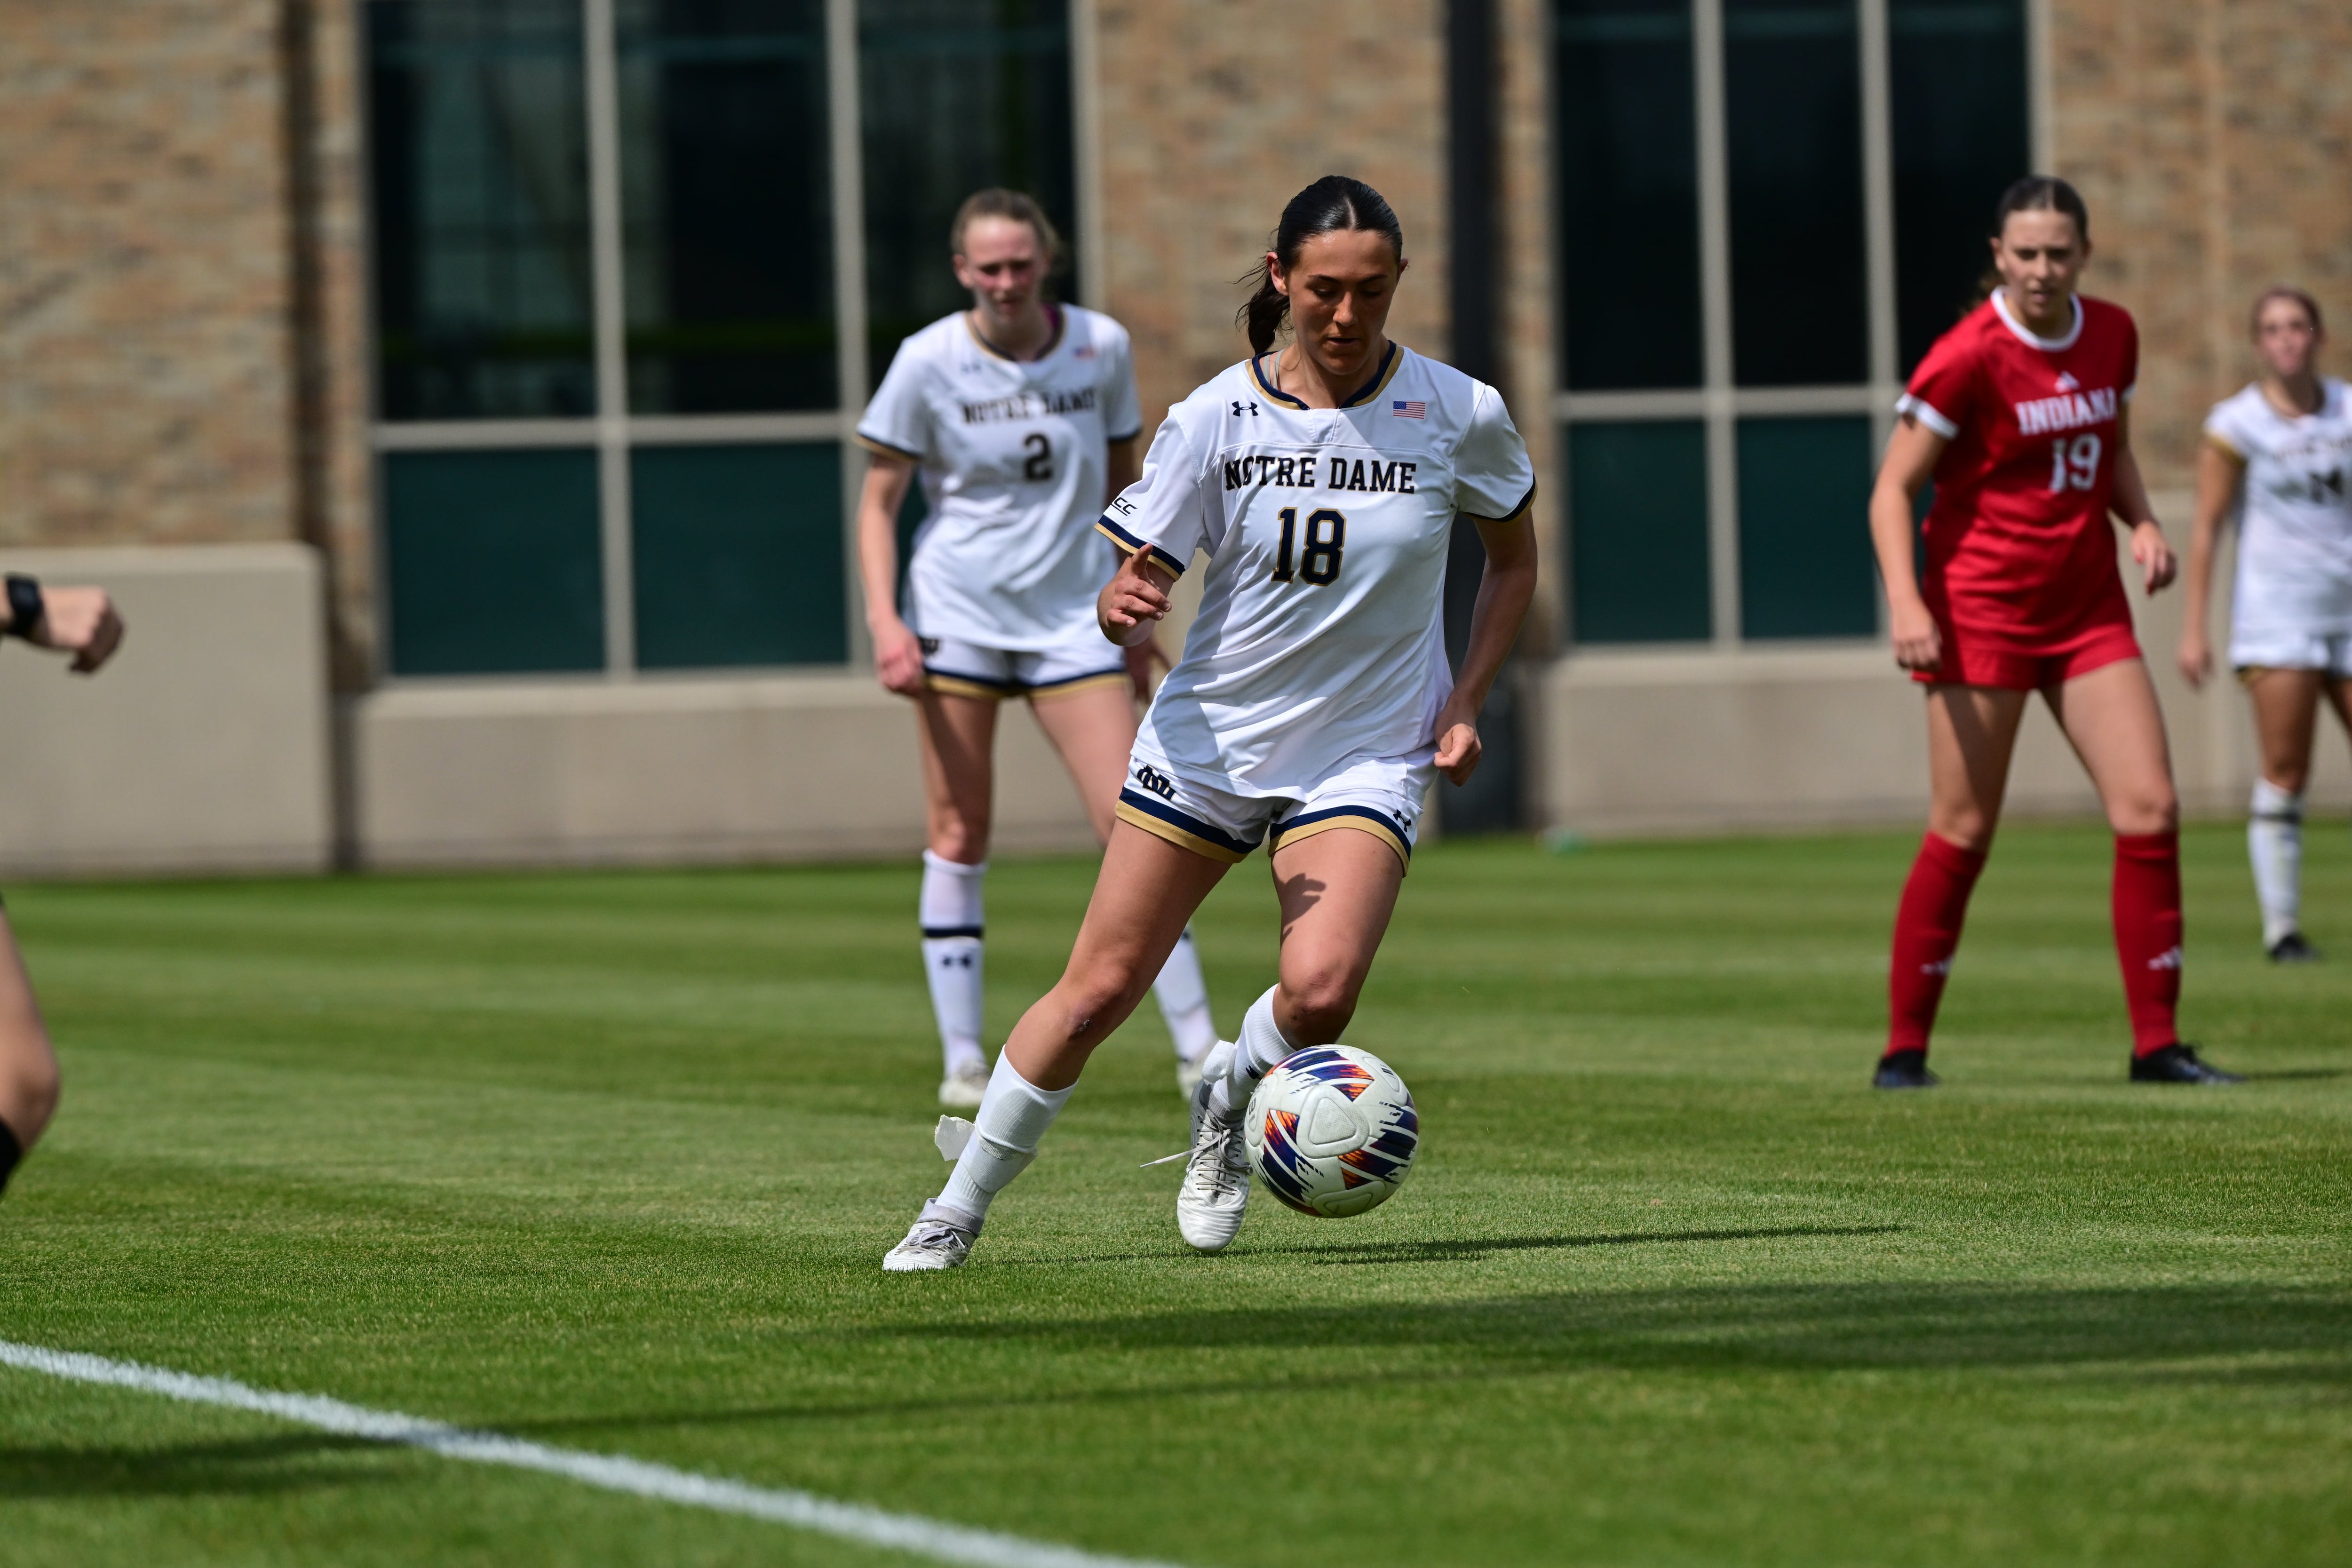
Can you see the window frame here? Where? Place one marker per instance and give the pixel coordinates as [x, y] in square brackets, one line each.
[1718, 402]
[614, 432]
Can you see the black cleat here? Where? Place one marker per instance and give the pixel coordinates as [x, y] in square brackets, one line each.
[2292, 949]
[2177, 1064]
[1904, 1069]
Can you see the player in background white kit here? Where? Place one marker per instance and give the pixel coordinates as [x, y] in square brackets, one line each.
[2286, 444]
[1312, 696]
[1021, 416]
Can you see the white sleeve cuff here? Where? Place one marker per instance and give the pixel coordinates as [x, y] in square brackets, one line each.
[1927, 413]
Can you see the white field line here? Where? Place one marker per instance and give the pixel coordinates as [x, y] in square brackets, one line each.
[612, 1472]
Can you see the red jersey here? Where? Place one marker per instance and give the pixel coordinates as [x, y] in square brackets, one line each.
[2020, 550]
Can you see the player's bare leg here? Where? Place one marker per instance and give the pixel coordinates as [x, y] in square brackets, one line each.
[1337, 890]
[2287, 717]
[1147, 889]
[29, 1067]
[2111, 718]
[958, 735]
[1093, 729]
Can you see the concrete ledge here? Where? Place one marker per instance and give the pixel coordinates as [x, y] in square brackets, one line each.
[692, 769]
[201, 747]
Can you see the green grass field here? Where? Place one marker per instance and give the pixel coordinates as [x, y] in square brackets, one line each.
[609, 1162]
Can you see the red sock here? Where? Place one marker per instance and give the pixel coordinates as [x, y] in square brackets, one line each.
[1926, 932]
[2147, 934]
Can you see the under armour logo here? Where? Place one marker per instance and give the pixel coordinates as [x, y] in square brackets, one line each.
[2169, 959]
[1941, 966]
[1159, 784]
[1241, 408]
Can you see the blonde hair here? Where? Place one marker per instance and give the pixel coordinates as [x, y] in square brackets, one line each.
[1020, 208]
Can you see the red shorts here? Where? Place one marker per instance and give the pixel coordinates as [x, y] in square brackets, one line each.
[1975, 658]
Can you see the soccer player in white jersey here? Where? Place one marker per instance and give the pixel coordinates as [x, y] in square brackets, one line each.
[2284, 444]
[1021, 416]
[1311, 709]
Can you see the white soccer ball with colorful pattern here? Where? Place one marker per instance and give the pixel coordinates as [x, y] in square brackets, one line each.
[1332, 1130]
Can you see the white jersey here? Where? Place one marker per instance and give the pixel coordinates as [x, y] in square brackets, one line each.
[2294, 544]
[1013, 462]
[1320, 639]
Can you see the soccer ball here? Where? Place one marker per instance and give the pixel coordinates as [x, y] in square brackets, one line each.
[1332, 1130]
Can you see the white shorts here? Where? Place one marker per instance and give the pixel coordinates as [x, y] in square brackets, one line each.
[2256, 648]
[969, 669]
[1379, 795]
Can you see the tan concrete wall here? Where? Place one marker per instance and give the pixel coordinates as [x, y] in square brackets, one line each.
[145, 305]
[2210, 140]
[1698, 740]
[203, 746]
[803, 767]
[1214, 114]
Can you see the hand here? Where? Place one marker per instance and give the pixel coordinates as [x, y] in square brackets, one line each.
[1144, 660]
[1458, 747]
[1918, 642]
[1130, 601]
[82, 622]
[2157, 564]
[2196, 657]
[899, 657]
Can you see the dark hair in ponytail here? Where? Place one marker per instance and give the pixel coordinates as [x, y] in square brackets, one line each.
[2035, 192]
[1332, 204]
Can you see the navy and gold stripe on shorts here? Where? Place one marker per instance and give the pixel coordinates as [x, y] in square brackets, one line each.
[956, 684]
[1181, 829]
[1364, 818]
[1070, 685]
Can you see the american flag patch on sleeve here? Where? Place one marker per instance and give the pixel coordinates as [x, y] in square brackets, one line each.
[1403, 410]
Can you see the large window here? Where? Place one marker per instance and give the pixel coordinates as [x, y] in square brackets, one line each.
[1768, 209]
[638, 263]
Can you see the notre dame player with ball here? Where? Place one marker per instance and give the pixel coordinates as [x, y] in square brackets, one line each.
[1312, 708]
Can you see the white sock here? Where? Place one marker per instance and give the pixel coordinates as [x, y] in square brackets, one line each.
[1184, 1000]
[1011, 1118]
[2275, 844]
[951, 957]
[1261, 1044]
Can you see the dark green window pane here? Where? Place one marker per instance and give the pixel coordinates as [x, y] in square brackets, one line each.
[726, 203]
[1792, 109]
[956, 95]
[1804, 529]
[1957, 75]
[1628, 193]
[480, 182]
[1637, 527]
[737, 555]
[494, 563]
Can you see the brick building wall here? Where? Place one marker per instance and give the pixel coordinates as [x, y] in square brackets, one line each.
[145, 325]
[2213, 143]
[1216, 113]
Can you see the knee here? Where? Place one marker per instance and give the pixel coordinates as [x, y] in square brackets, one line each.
[1321, 1004]
[1965, 827]
[1098, 999]
[31, 1098]
[2144, 811]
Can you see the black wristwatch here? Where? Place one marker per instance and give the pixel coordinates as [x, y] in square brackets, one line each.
[25, 609]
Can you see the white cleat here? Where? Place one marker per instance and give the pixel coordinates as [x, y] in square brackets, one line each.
[1215, 1191]
[963, 1089]
[930, 1246]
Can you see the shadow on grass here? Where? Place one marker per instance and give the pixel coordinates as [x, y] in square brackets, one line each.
[254, 1467]
[2294, 1073]
[1466, 1249]
[2184, 1334]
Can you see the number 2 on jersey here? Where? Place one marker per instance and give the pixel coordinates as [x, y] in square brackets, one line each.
[1327, 539]
[2074, 465]
[1039, 466]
